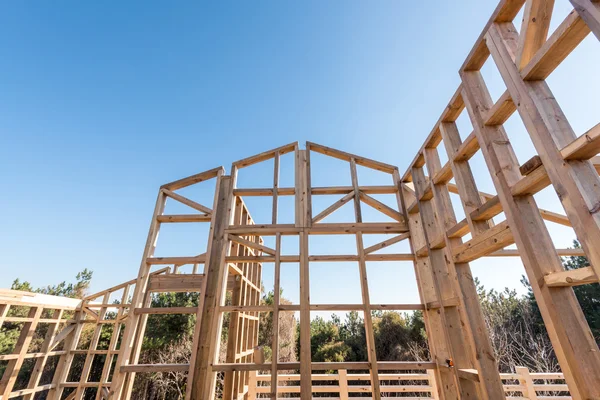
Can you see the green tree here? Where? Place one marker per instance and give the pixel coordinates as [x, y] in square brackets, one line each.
[75, 290]
[9, 333]
[287, 330]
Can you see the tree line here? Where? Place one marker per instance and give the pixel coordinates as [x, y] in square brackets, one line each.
[514, 323]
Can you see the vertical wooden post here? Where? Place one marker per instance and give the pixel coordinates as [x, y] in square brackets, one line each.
[276, 286]
[343, 382]
[527, 383]
[433, 383]
[301, 222]
[475, 330]
[236, 323]
[252, 386]
[139, 295]
[435, 320]
[276, 300]
[215, 275]
[364, 286]
[368, 317]
[444, 280]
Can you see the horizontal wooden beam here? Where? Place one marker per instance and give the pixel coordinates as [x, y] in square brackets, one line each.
[176, 260]
[256, 192]
[183, 218]
[166, 310]
[177, 283]
[318, 190]
[317, 366]
[487, 210]
[22, 298]
[573, 277]
[532, 183]
[141, 368]
[501, 111]
[459, 230]
[516, 253]
[469, 374]
[584, 147]
[361, 307]
[380, 189]
[485, 243]
[320, 229]
[444, 175]
[342, 155]
[468, 148]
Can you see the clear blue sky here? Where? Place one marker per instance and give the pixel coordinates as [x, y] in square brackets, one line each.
[101, 103]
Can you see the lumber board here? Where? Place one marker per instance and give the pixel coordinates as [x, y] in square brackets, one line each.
[342, 155]
[501, 111]
[266, 155]
[485, 243]
[584, 147]
[184, 218]
[567, 36]
[155, 368]
[193, 179]
[574, 277]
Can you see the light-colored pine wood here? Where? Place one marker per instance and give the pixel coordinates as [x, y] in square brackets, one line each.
[559, 308]
[435, 322]
[301, 220]
[276, 300]
[207, 347]
[574, 277]
[526, 383]
[534, 30]
[193, 179]
[490, 385]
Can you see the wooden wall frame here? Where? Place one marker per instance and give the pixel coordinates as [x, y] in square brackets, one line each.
[462, 363]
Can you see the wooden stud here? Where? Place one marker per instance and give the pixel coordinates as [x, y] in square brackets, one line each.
[204, 378]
